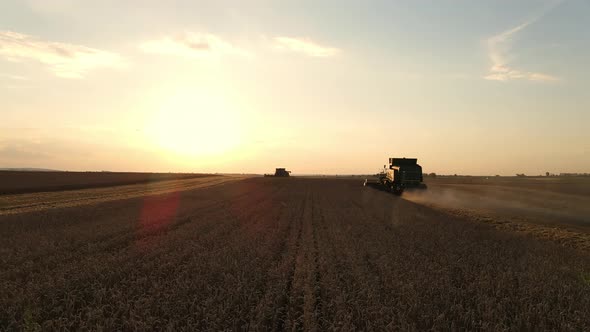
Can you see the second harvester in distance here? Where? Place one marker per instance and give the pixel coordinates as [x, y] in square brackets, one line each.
[402, 173]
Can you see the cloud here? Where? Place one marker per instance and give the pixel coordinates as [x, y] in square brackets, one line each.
[191, 45]
[64, 60]
[21, 152]
[304, 46]
[13, 77]
[499, 49]
[13, 82]
[52, 6]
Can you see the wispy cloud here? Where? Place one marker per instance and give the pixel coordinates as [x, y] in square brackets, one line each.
[304, 46]
[500, 47]
[13, 77]
[64, 60]
[191, 45]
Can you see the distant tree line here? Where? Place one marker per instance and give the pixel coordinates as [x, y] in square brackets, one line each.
[520, 175]
[547, 174]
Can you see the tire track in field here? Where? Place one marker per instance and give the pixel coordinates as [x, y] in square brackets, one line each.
[316, 280]
[270, 311]
[288, 304]
[330, 276]
[303, 314]
[344, 221]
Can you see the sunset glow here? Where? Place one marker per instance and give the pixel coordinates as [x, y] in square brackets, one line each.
[195, 124]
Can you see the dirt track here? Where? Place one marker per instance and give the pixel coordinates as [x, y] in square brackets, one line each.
[40, 201]
[267, 253]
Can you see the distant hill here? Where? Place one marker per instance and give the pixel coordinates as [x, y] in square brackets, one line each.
[25, 169]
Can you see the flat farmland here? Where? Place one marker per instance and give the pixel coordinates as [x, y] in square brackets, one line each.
[556, 208]
[294, 254]
[45, 200]
[16, 182]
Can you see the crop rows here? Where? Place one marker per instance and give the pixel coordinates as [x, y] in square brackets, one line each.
[281, 254]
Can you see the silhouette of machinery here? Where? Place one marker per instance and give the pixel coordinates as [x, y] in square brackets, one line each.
[281, 172]
[402, 173]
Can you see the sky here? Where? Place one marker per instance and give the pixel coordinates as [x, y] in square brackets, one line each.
[318, 87]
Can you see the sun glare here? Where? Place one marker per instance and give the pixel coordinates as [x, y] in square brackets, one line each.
[195, 124]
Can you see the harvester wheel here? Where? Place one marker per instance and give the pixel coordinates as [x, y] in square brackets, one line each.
[396, 190]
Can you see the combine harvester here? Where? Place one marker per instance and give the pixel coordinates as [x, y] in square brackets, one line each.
[279, 172]
[402, 173]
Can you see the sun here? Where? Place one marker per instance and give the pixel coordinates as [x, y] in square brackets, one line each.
[195, 124]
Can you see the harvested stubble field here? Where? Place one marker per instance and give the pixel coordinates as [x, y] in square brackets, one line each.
[282, 254]
[16, 182]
